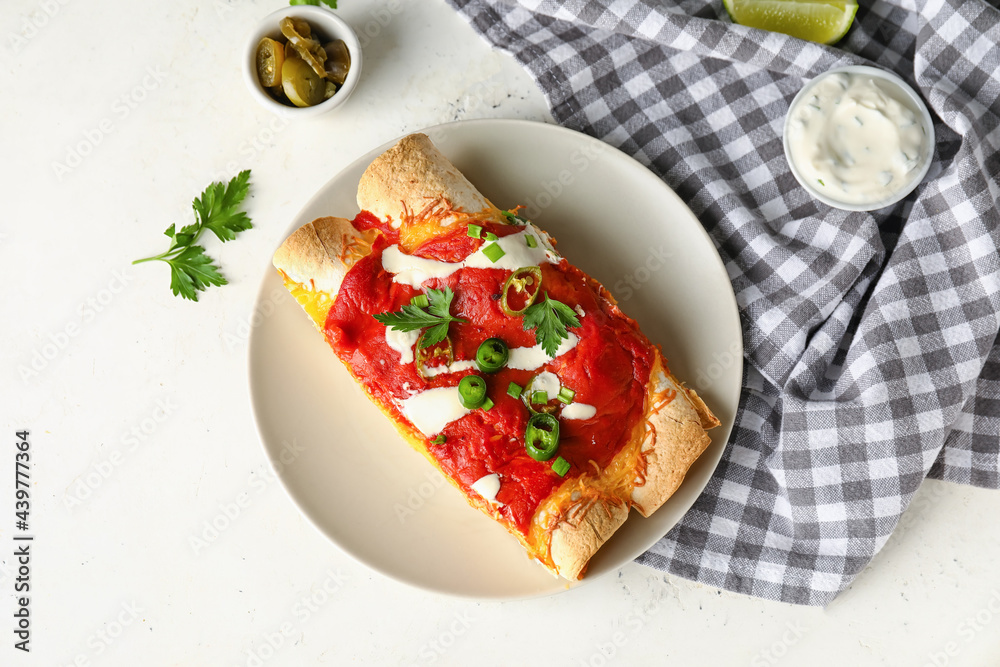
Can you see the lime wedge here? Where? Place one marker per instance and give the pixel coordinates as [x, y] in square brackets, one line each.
[823, 21]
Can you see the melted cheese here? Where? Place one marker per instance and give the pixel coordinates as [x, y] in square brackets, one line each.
[417, 227]
[316, 303]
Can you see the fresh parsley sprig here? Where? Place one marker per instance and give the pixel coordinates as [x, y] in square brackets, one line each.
[435, 317]
[332, 4]
[217, 209]
[549, 319]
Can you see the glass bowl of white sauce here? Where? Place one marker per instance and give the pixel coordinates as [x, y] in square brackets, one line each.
[858, 138]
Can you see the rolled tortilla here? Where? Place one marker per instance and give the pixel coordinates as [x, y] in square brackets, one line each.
[417, 191]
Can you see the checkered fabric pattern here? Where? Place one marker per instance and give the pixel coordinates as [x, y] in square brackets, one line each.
[870, 337]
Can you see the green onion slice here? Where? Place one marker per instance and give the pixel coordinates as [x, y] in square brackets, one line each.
[531, 241]
[539, 397]
[514, 390]
[566, 395]
[514, 218]
[492, 355]
[475, 231]
[541, 438]
[521, 290]
[560, 466]
[440, 440]
[488, 403]
[493, 252]
[472, 391]
[490, 236]
[420, 301]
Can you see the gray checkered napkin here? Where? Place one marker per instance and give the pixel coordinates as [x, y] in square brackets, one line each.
[870, 337]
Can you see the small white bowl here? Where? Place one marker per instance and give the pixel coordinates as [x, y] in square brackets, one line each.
[918, 104]
[327, 24]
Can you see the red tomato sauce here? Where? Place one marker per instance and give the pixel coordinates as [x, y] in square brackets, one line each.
[609, 368]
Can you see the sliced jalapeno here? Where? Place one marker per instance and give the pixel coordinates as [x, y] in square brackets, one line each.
[521, 290]
[338, 61]
[538, 400]
[270, 58]
[301, 84]
[541, 438]
[492, 355]
[441, 354]
[472, 391]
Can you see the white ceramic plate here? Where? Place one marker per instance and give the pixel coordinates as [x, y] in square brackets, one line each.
[380, 501]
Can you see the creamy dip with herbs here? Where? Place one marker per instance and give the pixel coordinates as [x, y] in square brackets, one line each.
[856, 138]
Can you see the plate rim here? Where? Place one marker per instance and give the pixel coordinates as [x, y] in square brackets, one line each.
[731, 304]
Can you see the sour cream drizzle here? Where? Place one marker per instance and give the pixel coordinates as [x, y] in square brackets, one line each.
[530, 358]
[578, 411]
[414, 271]
[402, 342]
[433, 409]
[453, 367]
[488, 486]
[547, 382]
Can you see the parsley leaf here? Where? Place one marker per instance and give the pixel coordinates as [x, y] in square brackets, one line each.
[435, 318]
[440, 302]
[330, 3]
[410, 318]
[217, 209]
[434, 335]
[191, 271]
[549, 319]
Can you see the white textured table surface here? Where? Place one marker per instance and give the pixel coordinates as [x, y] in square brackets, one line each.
[114, 115]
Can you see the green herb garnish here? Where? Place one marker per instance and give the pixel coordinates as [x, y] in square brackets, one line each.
[493, 252]
[560, 466]
[549, 319]
[435, 317]
[217, 209]
[332, 4]
[514, 218]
